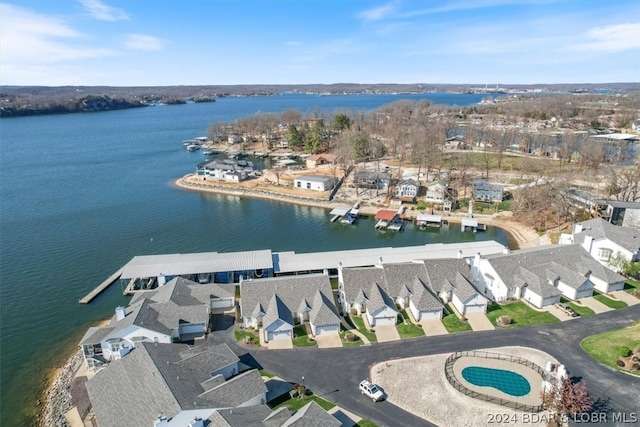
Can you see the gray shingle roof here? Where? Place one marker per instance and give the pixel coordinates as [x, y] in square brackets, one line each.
[572, 257]
[535, 283]
[324, 311]
[598, 228]
[401, 275]
[360, 279]
[443, 273]
[312, 415]
[246, 416]
[236, 391]
[277, 310]
[295, 292]
[378, 299]
[131, 391]
[422, 297]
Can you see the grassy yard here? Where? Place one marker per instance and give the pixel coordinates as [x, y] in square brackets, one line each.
[295, 403]
[266, 373]
[409, 330]
[631, 286]
[371, 336]
[604, 347]
[355, 343]
[609, 302]
[366, 423]
[300, 337]
[247, 336]
[580, 309]
[452, 323]
[520, 313]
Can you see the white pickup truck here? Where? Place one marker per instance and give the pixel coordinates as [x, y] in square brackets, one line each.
[371, 390]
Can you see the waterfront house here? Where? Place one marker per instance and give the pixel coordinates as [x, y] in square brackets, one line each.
[178, 311]
[436, 191]
[407, 190]
[608, 244]
[277, 304]
[315, 182]
[455, 143]
[543, 274]
[372, 180]
[224, 170]
[321, 159]
[452, 281]
[376, 291]
[181, 383]
[483, 191]
[626, 214]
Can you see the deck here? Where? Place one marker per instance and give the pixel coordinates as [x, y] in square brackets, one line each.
[101, 287]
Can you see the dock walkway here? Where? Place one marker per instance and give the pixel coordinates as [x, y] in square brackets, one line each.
[101, 287]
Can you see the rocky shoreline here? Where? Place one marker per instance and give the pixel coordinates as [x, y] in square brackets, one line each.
[57, 398]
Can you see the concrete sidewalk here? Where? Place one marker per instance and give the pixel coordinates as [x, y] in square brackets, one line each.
[595, 305]
[626, 297]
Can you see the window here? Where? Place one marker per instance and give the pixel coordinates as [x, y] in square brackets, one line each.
[298, 184]
[604, 254]
[308, 185]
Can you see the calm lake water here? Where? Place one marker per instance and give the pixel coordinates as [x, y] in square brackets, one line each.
[81, 194]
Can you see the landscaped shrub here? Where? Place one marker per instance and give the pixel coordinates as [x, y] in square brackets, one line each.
[354, 312]
[624, 351]
[350, 337]
[635, 366]
[620, 363]
[505, 320]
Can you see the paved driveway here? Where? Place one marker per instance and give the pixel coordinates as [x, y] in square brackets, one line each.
[387, 333]
[479, 322]
[557, 312]
[433, 327]
[328, 340]
[595, 305]
[626, 297]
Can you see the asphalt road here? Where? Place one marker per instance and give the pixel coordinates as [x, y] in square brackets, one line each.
[334, 374]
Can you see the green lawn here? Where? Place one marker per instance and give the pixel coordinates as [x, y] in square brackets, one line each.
[266, 373]
[520, 313]
[371, 336]
[631, 286]
[355, 343]
[300, 337]
[609, 302]
[580, 309]
[241, 335]
[452, 323]
[366, 423]
[408, 330]
[296, 403]
[604, 347]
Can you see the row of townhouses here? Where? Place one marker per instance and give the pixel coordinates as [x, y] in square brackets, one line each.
[144, 368]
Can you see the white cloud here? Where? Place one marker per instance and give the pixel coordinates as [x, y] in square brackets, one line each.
[30, 38]
[103, 12]
[377, 13]
[143, 42]
[611, 38]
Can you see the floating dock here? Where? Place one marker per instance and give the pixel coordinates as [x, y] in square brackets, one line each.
[101, 287]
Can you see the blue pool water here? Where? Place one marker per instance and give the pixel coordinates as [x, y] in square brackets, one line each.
[507, 382]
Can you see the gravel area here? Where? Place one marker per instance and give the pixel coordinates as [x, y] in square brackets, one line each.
[58, 397]
[435, 400]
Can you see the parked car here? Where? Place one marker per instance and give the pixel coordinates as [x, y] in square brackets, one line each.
[568, 310]
[371, 390]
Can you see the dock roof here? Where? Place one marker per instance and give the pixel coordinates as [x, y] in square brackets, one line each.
[290, 262]
[195, 263]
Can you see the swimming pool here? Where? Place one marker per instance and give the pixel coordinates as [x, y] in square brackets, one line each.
[507, 382]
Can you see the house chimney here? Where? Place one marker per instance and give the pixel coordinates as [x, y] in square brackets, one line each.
[460, 254]
[161, 421]
[506, 251]
[120, 312]
[587, 243]
[578, 228]
[380, 261]
[196, 422]
[476, 260]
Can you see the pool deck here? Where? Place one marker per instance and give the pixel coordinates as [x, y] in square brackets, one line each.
[533, 398]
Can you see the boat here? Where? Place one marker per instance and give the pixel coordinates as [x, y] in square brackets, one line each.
[208, 152]
[349, 218]
[396, 225]
[193, 147]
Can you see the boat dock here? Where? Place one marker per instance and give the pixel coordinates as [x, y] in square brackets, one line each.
[101, 287]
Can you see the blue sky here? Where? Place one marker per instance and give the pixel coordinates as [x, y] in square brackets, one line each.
[189, 42]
